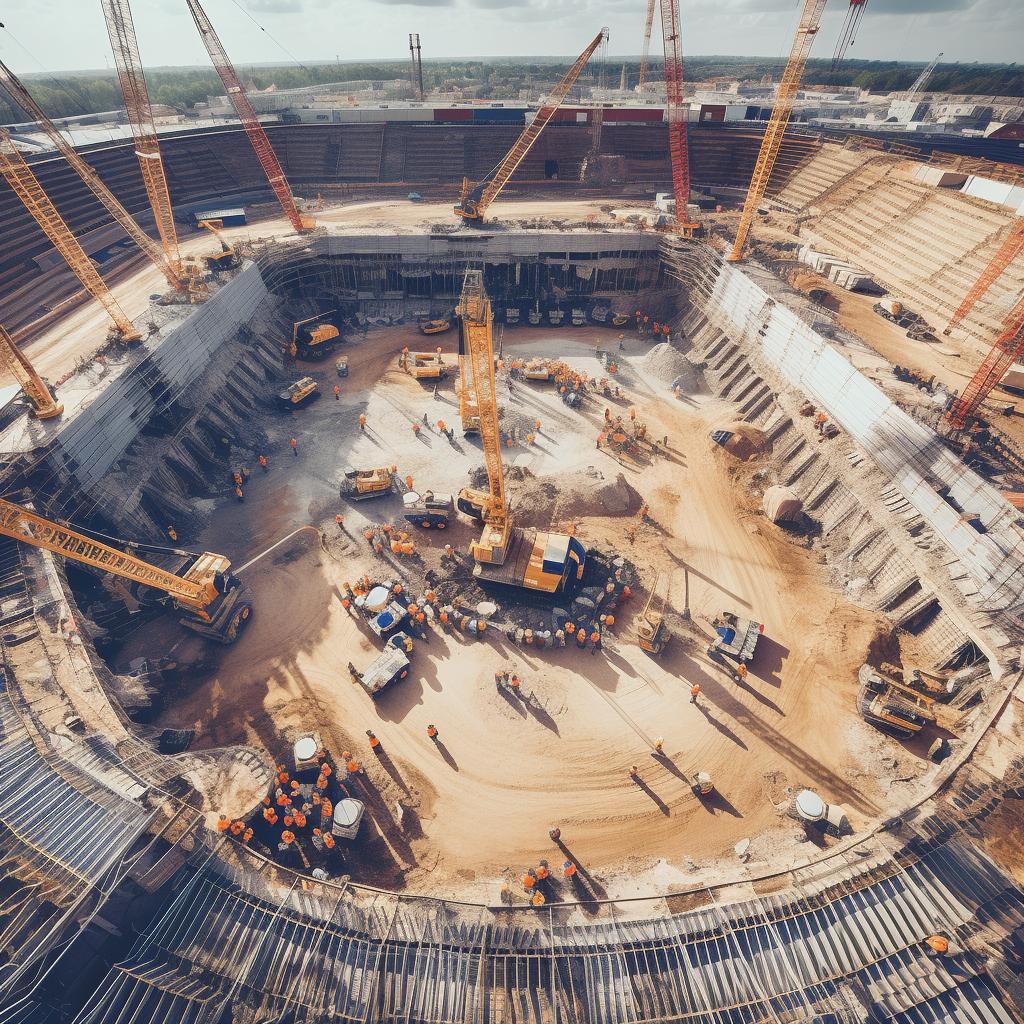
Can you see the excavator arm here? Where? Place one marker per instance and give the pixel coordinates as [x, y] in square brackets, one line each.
[474, 201]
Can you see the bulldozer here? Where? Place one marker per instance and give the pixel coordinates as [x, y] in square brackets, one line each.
[368, 483]
[651, 632]
[303, 390]
[423, 365]
[891, 706]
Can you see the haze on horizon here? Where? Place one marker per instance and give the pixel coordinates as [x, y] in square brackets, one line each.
[69, 35]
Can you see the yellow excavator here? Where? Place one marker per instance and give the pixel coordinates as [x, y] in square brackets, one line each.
[368, 483]
[651, 632]
[228, 258]
[503, 554]
[474, 200]
[214, 603]
[423, 365]
[314, 337]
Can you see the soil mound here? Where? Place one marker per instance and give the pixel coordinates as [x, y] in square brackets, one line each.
[668, 364]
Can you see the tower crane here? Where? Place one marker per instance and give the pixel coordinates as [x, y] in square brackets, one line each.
[1012, 247]
[922, 80]
[37, 202]
[118, 17]
[213, 602]
[677, 113]
[240, 101]
[849, 31]
[24, 99]
[11, 357]
[1007, 349]
[648, 24]
[417, 65]
[504, 554]
[474, 201]
[776, 130]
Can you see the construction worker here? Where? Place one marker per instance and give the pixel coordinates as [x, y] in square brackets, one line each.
[632, 414]
[634, 773]
[282, 775]
[581, 638]
[300, 819]
[432, 732]
[542, 871]
[538, 899]
[337, 519]
[570, 627]
[408, 482]
[318, 839]
[938, 943]
[362, 422]
[353, 767]
[263, 464]
[282, 798]
[237, 478]
[238, 494]
[295, 447]
[568, 869]
[245, 475]
[325, 769]
[819, 422]
[289, 818]
[247, 835]
[514, 683]
[694, 693]
[659, 743]
[237, 828]
[607, 415]
[643, 512]
[416, 430]
[321, 782]
[741, 670]
[554, 834]
[374, 742]
[328, 840]
[529, 880]
[337, 393]
[269, 815]
[449, 551]
[595, 642]
[287, 837]
[223, 824]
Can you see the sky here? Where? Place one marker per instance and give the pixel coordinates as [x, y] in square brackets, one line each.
[65, 35]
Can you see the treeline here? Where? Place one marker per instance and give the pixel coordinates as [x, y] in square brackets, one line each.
[69, 96]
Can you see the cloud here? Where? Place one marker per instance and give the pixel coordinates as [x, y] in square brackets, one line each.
[918, 6]
[274, 6]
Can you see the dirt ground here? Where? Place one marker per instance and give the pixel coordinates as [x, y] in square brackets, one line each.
[478, 804]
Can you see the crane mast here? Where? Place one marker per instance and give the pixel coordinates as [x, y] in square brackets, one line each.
[417, 65]
[121, 30]
[37, 202]
[240, 101]
[216, 604]
[474, 202]
[776, 130]
[46, 406]
[648, 24]
[1012, 247]
[24, 99]
[677, 113]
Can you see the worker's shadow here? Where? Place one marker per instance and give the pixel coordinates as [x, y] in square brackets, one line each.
[669, 765]
[769, 657]
[624, 667]
[512, 700]
[714, 802]
[443, 751]
[720, 726]
[662, 806]
[760, 698]
[534, 708]
[389, 766]
[426, 439]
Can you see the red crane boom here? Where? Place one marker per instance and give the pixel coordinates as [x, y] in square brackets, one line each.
[677, 113]
[1012, 246]
[257, 136]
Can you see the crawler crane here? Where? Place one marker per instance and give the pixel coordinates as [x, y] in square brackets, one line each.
[474, 201]
[214, 603]
[503, 554]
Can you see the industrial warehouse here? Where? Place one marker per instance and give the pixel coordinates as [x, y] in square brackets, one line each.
[552, 562]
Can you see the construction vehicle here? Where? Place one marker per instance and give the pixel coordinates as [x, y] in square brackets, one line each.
[620, 318]
[737, 637]
[368, 483]
[651, 632]
[423, 365]
[388, 619]
[891, 706]
[504, 555]
[342, 366]
[228, 258]
[303, 390]
[436, 326]
[213, 602]
[314, 337]
[475, 200]
[240, 101]
[428, 510]
[389, 667]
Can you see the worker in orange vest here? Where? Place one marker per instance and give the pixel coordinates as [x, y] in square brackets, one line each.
[529, 880]
[374, 742]
[328, 840]
[432, 732]
[295, 447]
[694, 693]
[538, 899]
[237, 828]
[568, 869]
[287, 837]
[353, 767]
[300, 819]
[247, 835]
[362, 422]
[263, 463]
[542, 871]
[634, 773]
[581, 638]
[337, 519]
[223, 824]
[337, 393]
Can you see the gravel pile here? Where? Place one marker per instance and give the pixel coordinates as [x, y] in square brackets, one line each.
[667, 364]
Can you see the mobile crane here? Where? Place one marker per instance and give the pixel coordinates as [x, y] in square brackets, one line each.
[214, 603]
[44, 405]
[503, 554]
[474, 201]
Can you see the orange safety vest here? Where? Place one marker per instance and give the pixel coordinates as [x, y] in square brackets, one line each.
[223, 824]
[568, 869]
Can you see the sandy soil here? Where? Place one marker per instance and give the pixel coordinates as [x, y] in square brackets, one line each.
[480, 802]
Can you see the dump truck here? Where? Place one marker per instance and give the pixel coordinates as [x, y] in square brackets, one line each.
[389, 667]
[651, 632]
[737, 637]
[428, 510]
[315, 337]
[891, 706]
[302, 391]
[423, 365]
[368, 483]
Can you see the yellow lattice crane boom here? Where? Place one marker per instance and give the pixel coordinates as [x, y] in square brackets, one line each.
[46, 406]
[215, 603]
[18, 92]
[474, 201]
[37, 202]
[776, 130]
[118, 17]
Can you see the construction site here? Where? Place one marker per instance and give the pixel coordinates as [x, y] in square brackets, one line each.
[594, 600]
